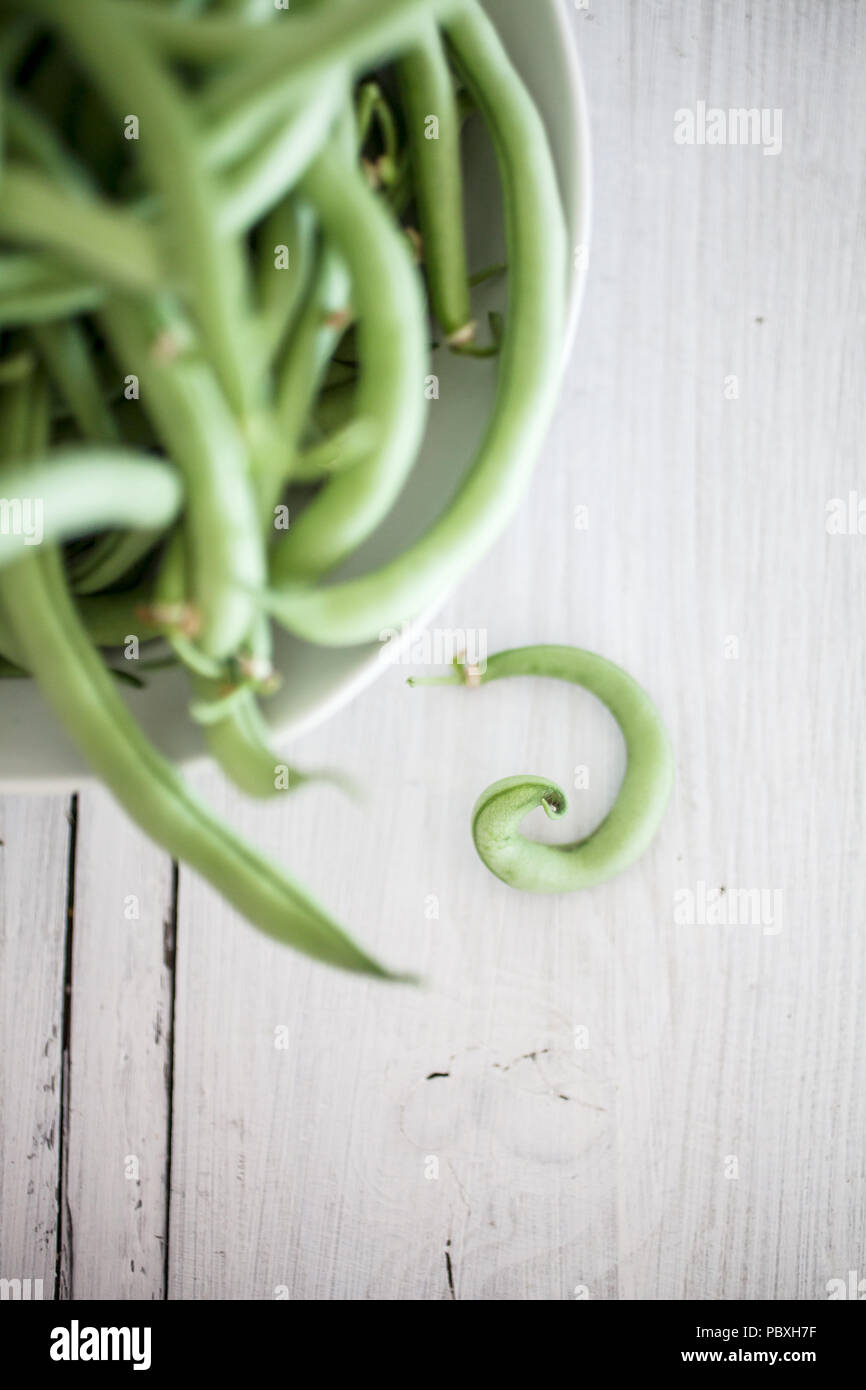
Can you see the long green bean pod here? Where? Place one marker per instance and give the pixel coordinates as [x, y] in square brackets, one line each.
[73, 492]
[132, 80]
[280, 292]
[31, 134]
[69, 364]
[357, 610]
[386, 297]
[241, 740]
[79, 230]
[433, 124]
[631, 824]
[301, 46]
[254, 185]
[300, 370]
[181, 394]
[35, 290]
[109, 619]
[81, 693]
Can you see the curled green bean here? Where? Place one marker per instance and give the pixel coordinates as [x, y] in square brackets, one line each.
[631, 824]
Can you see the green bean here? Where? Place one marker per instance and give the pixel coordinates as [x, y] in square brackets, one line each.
[33, 290]
[240, 743]
[252, 10]
[235, 733]
[89, 236]
[112, 50]
[320, 312]
[69, 362]
[81, 693]
[109, 619]
[387, 300]
[357, 610]
[427, 89]
[353, 440]
[15, 366]
[19, 430]
[335, 406]
[232, 135]
[178, 615]
[220, 708]
[364, 35]
[72, 492]
[183, 398]
[281, 291]
[15, 39]
[289, 60]
[15, 408]
[253, 186]
[370, 107]
[631, 824]
[64, 350]
[112, 558]
[301, 370]
[250, 183]
[32, 134]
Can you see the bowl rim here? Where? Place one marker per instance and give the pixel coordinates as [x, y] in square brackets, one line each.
[577, 177]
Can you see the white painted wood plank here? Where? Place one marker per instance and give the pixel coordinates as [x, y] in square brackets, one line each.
[322, 1148]
[118, 1094]
[303, 1170]
[33, 854]
[748, 265]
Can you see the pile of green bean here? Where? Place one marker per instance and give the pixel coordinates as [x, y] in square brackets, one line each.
[228, 247]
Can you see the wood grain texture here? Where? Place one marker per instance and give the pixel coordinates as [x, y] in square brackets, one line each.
[118, 1092]
[34, 837]
[591, 1097]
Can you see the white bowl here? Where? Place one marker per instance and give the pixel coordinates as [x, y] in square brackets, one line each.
[37, 756]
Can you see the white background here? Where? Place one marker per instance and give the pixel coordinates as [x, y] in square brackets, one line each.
[603, 1169]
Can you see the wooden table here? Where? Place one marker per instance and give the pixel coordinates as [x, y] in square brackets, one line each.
[592, 1097]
